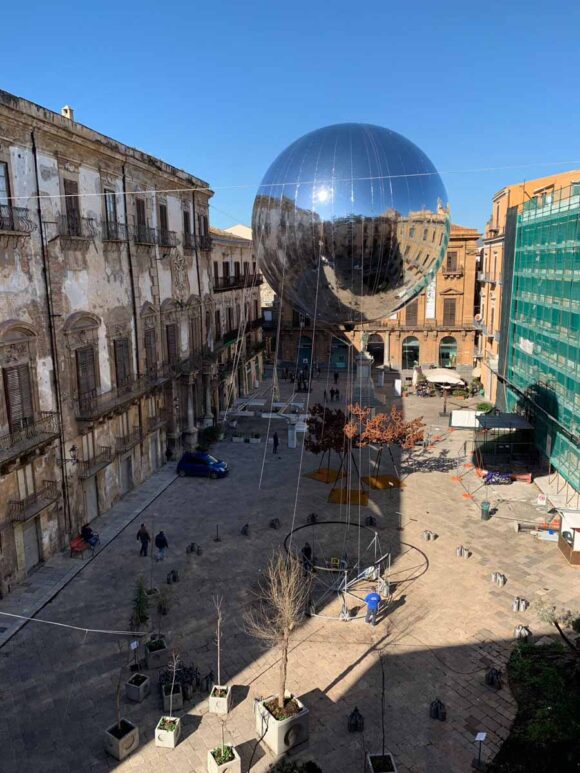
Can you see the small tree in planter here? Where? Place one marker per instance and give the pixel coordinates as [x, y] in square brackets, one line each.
[140, 614]
[122, 738]
[220, 696]
[224, 758]
[282, 720]
[168, 730]
[561, 619]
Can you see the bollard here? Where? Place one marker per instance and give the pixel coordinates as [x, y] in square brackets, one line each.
[501, 579]
[459, 551]
[524, 604]
[485, 510]
[516, 604]
[493, 678]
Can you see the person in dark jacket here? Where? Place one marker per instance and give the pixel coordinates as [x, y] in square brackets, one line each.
[89, 536]
[161, 544]
[276, 441]
[145, 538]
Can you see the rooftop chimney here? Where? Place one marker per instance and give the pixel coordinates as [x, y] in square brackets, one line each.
[68, 112]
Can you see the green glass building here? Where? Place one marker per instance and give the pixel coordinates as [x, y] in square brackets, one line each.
[539, 363]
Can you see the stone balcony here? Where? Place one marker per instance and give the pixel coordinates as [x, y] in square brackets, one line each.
[91, 466]
[93, 406]
[127, 442]
[37, 433]
[26, 508]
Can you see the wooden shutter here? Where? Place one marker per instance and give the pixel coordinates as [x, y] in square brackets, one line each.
[122, 361]
[150, 350]
[71, 191]
[86, 371]
[18, 392]
[171, 339]
[451, 261]
[140, 207]
[411, 313]
[216, 275]
[449, 311]
[163, 217]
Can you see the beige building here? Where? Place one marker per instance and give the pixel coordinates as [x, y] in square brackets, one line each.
[110, 351]
[436, 328]
[491, 275]
[237, 316]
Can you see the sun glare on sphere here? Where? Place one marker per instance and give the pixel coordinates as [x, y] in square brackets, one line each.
[322, 195]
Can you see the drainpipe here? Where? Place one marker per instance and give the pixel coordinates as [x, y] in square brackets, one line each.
[133, 296]
[53, 343]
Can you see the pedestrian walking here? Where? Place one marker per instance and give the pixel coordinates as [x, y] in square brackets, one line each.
[161, 544]
[276, 440]
[318, 371]
[336, 377]
[337, 394]
[307, 557]
[325, 396]
[372, 600]
[331, 394]
[145, 538]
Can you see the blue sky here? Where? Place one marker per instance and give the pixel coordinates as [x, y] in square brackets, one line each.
[220, 88]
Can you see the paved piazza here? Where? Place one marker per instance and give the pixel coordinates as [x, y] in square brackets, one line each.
[446, 623]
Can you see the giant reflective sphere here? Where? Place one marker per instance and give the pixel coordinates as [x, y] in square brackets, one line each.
[350, 223]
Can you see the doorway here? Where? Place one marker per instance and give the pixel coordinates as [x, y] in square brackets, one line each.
[447, 352]
[126, 474]
[376, 348]
[410, 352]
[91, 498]
[31, 546]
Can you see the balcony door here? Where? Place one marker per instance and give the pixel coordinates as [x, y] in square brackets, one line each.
[122, 362]
[73, 215]
[18, 391]
[86, 372]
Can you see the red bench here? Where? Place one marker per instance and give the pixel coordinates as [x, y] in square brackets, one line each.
[78, 545]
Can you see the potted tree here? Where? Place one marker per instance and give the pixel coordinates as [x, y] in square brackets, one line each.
[220, 695]
[122, 738]
[156, 652]
[140, 614]
[224, 758]
[138, 687]
[381, 763]
[282, 719]
[168, 730]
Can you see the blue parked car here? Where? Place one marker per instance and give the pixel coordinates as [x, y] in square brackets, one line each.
[202, 465]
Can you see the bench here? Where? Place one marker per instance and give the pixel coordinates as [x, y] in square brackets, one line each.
[78, 545]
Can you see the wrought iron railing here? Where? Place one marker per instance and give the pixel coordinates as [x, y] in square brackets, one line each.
[155, 422]
[34, 433]
[188, 241]
[166, 238]
[230, 336]
[23, 509]
[143, 234]
[126, 442]
[237, 282]
[91, 405]
[15, 219]
[75, 227]
[204, 242]
[256, 323]
[114, 232]
[88, 467]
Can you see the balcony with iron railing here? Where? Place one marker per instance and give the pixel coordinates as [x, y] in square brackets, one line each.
[451, 270]
[114, 232]
[129, 441]
[72, 226]
[143, 234]
[204, 242]
[153, 423]
[230, 336]
[89, 467]
[15, 220]
[35, 433]
[254, 324]
[188, 241]
[27, 507]
[166, 238]
[237, 282]
[92, 406]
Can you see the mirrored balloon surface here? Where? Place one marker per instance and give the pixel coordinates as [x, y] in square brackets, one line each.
[350, 223]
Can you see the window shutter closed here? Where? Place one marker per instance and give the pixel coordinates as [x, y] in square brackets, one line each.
[122, 363]
[150, 350]
[449, 311]
[19, 396]
[411, 313]
[86, 371]
[171, 338]
[451, 261]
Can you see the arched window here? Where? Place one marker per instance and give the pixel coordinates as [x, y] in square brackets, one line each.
[376, 348]
[410, 352]
[17, 357]
[305, 352]
[338, 355]
[447, 352]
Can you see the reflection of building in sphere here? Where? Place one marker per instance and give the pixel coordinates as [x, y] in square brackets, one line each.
[351, 221]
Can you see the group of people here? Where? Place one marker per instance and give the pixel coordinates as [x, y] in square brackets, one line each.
[160, 543]
[334, 395]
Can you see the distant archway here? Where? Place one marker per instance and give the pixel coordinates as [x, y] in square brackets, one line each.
[305, 352]
[410, 352]
[448, 352]
[376, 348]
[338, 355]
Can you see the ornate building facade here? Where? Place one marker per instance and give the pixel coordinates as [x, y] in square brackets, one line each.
[436, 328]
[109, 354]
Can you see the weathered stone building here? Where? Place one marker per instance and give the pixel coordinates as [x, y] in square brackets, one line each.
[108, 346]
[436, 328]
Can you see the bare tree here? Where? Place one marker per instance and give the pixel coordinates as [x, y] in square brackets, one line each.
[561, 619]
[218, 602]
[281, 602]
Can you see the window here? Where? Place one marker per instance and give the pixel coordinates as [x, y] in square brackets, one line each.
[110, 207]
[575, 190]
[411, 313]
[150, 351]
[195, 334]
[25, 477]
[449, 311]
[73, 216]
[186, 228]
[230, 319]
[237, 272]
[216, 274]
[218, 324]
[18, 391]
[226, 271]
[256, 311]
[86, 371]
[451, 265]
[122, 361]
[88, 446]
[425, 234]
[6, 218]
[141, 217]
[412, 232]
[171, 342]
[163, 217]
[246, 268]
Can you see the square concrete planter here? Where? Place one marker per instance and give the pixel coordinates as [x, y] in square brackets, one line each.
[138, 687]
[233, 766]
[255, 440]
[156, 653]
[121, 745]
[281, 735]
[177, 702]
[237, 439]
[168, 737]
[220, 704]
[381, 763]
